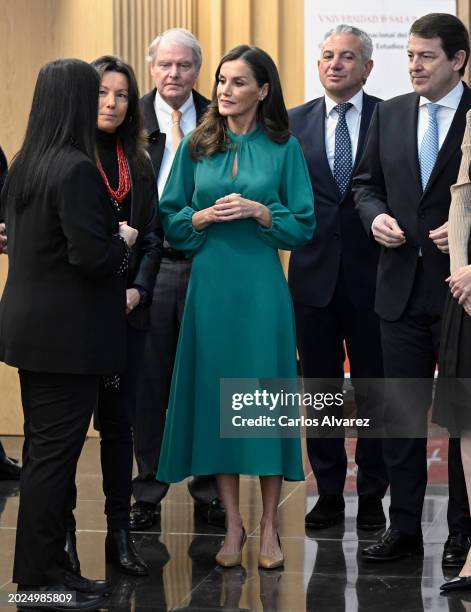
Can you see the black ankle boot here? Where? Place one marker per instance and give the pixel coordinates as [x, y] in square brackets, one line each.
[120, 551]
[71, 551]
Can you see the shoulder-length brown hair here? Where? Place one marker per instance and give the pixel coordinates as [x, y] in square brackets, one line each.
[210, 136]
[131, 130]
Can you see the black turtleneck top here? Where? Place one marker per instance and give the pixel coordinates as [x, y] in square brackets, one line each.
[106, 145]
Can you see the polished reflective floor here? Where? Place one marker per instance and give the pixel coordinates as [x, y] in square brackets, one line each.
[323, 570]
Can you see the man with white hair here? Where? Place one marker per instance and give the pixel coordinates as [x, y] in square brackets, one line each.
[170, 110]
[332, 279]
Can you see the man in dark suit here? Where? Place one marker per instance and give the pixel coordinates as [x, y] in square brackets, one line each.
[332, 279]
[170, 110]
[402, 192]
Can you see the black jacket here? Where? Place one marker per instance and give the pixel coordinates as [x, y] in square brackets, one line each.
[339, 237]
[156, 138]
[388, 181]
[146, 253]
[63, 306]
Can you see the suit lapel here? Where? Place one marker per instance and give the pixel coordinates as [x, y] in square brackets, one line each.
[155, 137]
[315, 144]
[453, 139]
[366, 112]
[408, 126]
[148, 113]
[201, 104]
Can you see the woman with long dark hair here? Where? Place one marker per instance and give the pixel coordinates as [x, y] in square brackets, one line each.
[238, 191]
[127, 172]
[62, 314]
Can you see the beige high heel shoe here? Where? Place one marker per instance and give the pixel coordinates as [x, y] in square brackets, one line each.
[269, 562]
[232, 559]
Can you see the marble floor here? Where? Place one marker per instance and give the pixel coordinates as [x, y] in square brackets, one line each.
[323, 570]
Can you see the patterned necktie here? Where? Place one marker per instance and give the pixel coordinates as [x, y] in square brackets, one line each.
[429, 148]
[177, 133]
[343, 149]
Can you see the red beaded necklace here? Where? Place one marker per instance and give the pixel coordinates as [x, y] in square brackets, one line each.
[124, 182]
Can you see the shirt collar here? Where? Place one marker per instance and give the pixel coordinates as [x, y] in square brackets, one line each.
[451, 100]
[356, 100]
[162, 107]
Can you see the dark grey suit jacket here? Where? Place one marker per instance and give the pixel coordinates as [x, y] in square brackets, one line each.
[339, 235]
[388, 181]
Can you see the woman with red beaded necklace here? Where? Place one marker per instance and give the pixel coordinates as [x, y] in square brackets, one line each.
[131, 186]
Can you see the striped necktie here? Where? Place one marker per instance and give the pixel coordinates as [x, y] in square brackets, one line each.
[429, 148]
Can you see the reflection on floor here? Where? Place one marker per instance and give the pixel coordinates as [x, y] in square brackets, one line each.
[323, 571]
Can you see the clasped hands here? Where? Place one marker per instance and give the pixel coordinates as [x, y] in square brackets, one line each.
[230, 208]
[386, 231]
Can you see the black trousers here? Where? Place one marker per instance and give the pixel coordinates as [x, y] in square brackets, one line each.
[2, 452]
[320, 338]
[113, 419]
[154, 385]
[410, 350]
[57, 411]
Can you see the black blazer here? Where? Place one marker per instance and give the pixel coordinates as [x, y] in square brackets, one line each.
[339, 235]
[63, 306]
[388, 181]
[156, 138]
[146, 253]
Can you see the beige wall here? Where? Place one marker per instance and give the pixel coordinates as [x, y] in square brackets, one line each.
[33, 32]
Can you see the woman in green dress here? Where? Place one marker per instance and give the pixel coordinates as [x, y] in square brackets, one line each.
[238, 191]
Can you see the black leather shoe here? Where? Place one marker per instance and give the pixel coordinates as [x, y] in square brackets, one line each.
[71, 551]
[455, 550]
[456, 584]
[370, 513]
[120, 550]
[394, 545]
[9, 469]
[329, 510]
[87, 586]
[213, 512]
[216, 513]
[82, 601]
[143, 515]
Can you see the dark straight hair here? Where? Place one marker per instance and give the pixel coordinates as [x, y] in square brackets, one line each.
[449, 29]
[210, 136]
[3, 168]
[63, 115]
[131, 130]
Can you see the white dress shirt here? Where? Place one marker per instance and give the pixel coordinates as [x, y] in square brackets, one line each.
[353, 119]
[448, 105]
[164, 117]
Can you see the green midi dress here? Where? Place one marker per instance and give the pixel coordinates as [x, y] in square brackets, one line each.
[238, 320]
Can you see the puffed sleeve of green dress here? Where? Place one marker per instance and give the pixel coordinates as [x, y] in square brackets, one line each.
[175, 205]
[293, 219]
